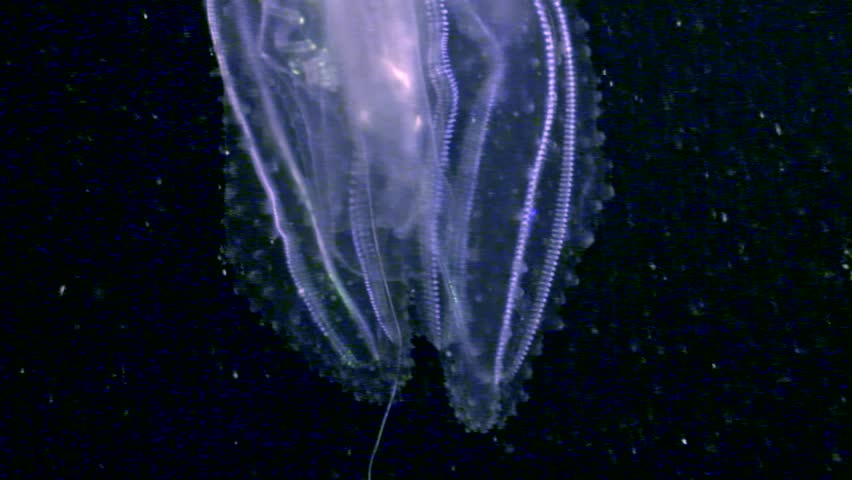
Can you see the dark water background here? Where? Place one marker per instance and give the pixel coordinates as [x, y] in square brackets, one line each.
[709, 336]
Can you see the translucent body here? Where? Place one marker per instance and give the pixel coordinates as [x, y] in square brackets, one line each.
[425, 164]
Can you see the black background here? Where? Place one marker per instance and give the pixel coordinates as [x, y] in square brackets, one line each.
[708, 337]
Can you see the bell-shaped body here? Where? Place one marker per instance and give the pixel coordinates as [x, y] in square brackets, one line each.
[423, 165]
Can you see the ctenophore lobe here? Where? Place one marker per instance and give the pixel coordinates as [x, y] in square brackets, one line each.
[414, 167]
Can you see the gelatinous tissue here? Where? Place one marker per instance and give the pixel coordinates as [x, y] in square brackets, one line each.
[411, 167]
